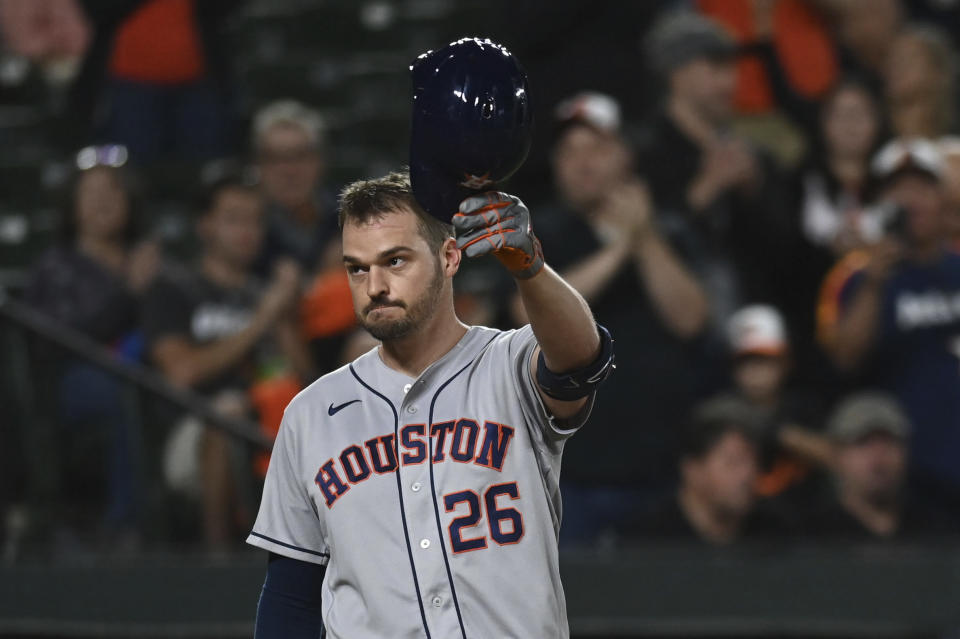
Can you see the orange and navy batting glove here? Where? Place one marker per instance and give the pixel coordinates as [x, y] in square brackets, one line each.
[498, 223]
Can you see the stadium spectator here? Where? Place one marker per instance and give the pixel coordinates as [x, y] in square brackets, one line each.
[833, 212]
[603, 238]
[866, 28]
[715, 503]
[703, 174]
[215, 329]
[93, 282]
[790, 448]
[833, 184]
[870, 433]
[788, 59]
[919, 83]
[289, 144]
[889, 314]
[155, 78]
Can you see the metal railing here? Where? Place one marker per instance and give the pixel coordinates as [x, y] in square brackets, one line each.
[79, 345]
[44, 506]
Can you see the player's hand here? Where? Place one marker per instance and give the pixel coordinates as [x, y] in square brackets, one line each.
[499, 224]
[281, 293]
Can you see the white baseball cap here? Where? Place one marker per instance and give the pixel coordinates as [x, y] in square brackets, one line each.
[916, 154]
[757, 330]
[597, 110]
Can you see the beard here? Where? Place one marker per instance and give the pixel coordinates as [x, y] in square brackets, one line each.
[417, 315]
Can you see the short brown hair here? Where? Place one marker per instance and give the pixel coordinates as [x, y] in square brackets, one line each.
[365, 200]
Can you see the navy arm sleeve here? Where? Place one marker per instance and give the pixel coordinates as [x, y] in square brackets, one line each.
[290, 602]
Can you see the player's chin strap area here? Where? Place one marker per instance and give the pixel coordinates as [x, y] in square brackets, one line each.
[580, 383]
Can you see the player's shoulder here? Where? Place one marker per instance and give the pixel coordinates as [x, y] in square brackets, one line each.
[511, 334]
[495, 342]
[320, 392]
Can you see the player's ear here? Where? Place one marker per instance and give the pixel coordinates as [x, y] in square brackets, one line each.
[450, 257]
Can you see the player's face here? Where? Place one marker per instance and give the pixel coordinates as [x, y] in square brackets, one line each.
[726, 475]
[290, 165]
[587, 164]
[873, 467]
[233, 228]
[398, 282]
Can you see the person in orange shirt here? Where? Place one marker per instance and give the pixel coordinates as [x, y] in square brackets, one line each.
[153, 79]
[793, 34]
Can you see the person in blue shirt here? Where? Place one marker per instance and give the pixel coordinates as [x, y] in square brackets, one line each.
[891, 314]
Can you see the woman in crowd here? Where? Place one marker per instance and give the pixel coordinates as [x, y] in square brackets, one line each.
[833, 181]
[831, 215]
[91, 282]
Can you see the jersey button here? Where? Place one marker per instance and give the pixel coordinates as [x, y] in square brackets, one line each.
[424, 543]
[437, 602]
[406, 388]
[416, 487]
[411, 409]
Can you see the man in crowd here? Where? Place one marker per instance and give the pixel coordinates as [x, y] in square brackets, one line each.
[890, 315]
[870, 432]
[214, 329]
[703, 174]
[605, 241]
[715, 502]
[290, 147]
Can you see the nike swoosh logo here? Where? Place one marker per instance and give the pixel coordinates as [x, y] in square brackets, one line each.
[333, 410]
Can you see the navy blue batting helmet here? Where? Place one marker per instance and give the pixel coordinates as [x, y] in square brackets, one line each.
[471, 124]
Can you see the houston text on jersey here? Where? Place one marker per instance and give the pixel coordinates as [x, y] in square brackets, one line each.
[462, 441]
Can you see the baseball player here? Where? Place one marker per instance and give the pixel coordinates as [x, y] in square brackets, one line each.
[414, 492]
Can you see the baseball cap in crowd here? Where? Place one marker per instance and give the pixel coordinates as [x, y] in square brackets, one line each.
[865, 413]
[596, 110]
[757, 330]
[915, 155]
[685, 36]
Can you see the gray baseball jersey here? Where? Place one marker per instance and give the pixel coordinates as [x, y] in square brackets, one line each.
[446, 531]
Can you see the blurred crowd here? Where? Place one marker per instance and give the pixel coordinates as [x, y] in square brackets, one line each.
[774, 247]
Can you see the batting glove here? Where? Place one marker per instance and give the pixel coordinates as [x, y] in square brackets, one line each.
[498, 223]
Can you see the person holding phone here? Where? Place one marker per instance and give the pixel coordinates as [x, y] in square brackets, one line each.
[889, 315]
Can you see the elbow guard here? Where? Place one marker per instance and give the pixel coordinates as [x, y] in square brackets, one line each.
[579, 383]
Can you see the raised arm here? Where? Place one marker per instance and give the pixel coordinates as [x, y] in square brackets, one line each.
[570, 343]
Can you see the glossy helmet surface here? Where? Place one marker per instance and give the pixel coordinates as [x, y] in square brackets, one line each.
[471, 124]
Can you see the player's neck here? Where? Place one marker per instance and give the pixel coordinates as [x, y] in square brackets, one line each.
[411, 355]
